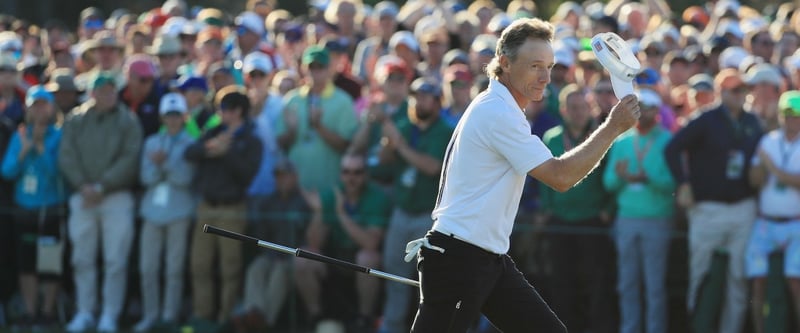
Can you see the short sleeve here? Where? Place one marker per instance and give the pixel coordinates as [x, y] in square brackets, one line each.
[511, 137]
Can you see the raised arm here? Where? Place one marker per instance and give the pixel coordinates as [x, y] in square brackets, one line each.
[563, 172]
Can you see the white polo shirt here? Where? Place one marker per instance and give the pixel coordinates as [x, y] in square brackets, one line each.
[489, 155]
[774, 199]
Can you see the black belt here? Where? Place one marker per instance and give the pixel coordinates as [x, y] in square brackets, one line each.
[222, 202]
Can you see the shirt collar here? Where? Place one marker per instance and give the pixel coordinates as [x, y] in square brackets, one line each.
[326, 93]
[499, 89]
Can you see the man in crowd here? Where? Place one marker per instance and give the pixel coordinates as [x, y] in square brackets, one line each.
[99, 156]
[719, 145]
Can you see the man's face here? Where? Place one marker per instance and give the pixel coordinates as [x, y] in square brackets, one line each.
[791, 123]
[395, 86]
[426, 105]
[173, 121]
[40, 110]
[140, 84]
[65, 99]
[169, 63]
[576, 111]
[353, 173]
[459, 91]
[604, 95]
[649, 115]
[257, 79]
[8, 77]
[105, 96]
[529, 73]
[231, 115]
[319, 73]
[679, 72]
[107, 57]
[734, 97]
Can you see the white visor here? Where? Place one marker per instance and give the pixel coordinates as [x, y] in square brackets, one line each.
[618, 58]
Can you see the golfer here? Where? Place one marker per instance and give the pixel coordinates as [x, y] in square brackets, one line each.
[463, 265]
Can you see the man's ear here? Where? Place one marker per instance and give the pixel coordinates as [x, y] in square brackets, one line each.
[505, 63]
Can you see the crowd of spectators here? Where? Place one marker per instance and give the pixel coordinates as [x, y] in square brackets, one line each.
[122, 136]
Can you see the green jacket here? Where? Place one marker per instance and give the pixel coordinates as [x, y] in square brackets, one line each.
[584, 201]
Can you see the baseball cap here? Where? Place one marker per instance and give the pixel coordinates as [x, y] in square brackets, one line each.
[211, 16]
[648, 76]
[91, 13]
[763, 73]
[648, 97]
[62, 79]
[391, 64]
[484, 44]
[563, 55]
[732, 57]
[192, 82]
[455, 56]
[172, 102]
[164, 45]
[316, 54]
[141, 66]
[104, 38]
[257, 61]
[102, 80]
[251, 21]
[499, 22]
[210, 33]
[426, 86]
[337, 45]
[789, 103]
[728, 79]
[385, 8]
[701, 82]
[405, 38]
[37, 93]
[616, 56]
[457, 72]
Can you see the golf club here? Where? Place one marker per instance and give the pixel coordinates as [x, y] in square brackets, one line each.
[306, 254]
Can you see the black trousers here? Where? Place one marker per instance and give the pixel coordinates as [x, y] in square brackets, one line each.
[583, 287]
[465, 281]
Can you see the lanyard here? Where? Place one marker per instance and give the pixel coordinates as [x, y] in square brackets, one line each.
[640, 151]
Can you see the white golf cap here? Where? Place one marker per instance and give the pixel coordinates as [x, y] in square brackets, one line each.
[172, 102]
[618, 58]
[257, 61]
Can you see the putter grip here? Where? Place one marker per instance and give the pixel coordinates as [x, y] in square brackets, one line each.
[210, 229]
[333, 261]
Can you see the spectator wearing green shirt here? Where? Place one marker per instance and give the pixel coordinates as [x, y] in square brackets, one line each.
[414, 150]
[581, 217]
[638, 176]
[318, 123]
[347, 223]
[202, 115]
[391, 102]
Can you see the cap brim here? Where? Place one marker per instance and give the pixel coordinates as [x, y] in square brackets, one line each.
[618, 58]
[621, 86]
